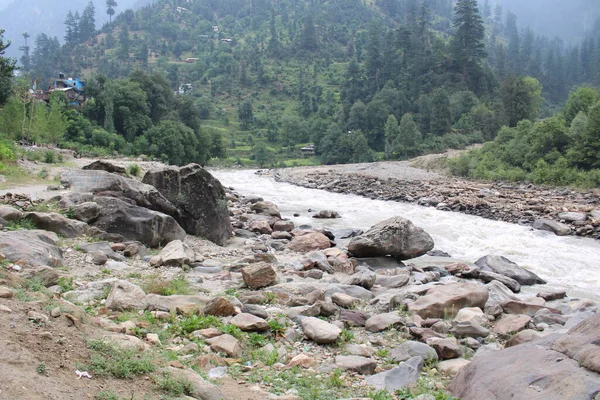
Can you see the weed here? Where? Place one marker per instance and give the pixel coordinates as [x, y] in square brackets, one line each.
[346, 336]
[65, 283]
[422, 388]
[381, 395]
[174, 386]
[35, 284]
[232, 330]
[270, 297]
[106, 271]
[167, 287]
[335, 379]
[231, 292]
[257, 340]
[192, 323]
[69, 213]
[276, 325]
[24, 296]
[23, 223]
[43, 173]
[41, 369]
[49, 157]
[382, 353]
[430, 363]
[108, 360]
[266, 357]
[107, 395]
[134, 275]
[134, 170]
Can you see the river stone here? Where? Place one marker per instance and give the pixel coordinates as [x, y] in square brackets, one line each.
[225, 344]
[261, 226]
[392, 282]
[446, 300]
[102, 247]
[503, 266]
[353, 318]
[199, 198]
[57, 223]
[90, 291]
[488, 276]
[471, 314]
[528, 371]
[469, 329]
[362, 365]
[220, 307]
[405, 374]
[199, 388]
[381, 322]
[176, 254]
[266, 208]
[249, 322]
[581, 343]
[255, 309]
[344, 300]
[135, 223]
[259, 275]
[317, 259]
[552, 295]
[510, 323]
[86, 211]
[31, 248]
[453, 366]
[365, 278]
[397, 237]
[320, 331]
[360, 350]
[308, 242]
[327, 214]
[47, 276]
[125, 296]
[525, 307]
[572, 216]
[551, 226]
[170, 303]
[410, 348]
[525, 336]
[446, 348]
[283, 226]
[9, 213]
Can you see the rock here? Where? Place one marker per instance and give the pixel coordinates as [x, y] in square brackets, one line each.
[469, 329]
[353, 318]
[176, 254]
[37, 317]
[266, 208]
[320, 331]
[528, 371]
[199, 199]
[90, 291]
[343, 300]
[365, 278]
[249, 322]
[200, 388]
[327, 214]
[411, 349]
[551, 296]
[308, 242]
[255, 310]
[5, 293]
[103, 247]
[317, 259]
[259, 275]
[101, 165]
[510, 283]
[226, 344]
[446, 348]
[86, 211]
[283, 226]
[396, 236]
[446, 300]
[360, 350]
[551, 226]
[102, 182]
[471, 314]
[405, 374]
[362, 365]
[452, 367]
[188, 309]
[45, 275]
[392, 282]
[524, 307]
[572, 216]
[220, 307]
[503, 266]
[135, 223]
[581, 343]
[96, 257]
[9, 213]
[511, 323]
[125, 296]
[381, 322]
[528, 335]
[302, 360]
[31, 248]
[261, 226]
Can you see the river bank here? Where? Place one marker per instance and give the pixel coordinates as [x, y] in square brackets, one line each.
[573, 212]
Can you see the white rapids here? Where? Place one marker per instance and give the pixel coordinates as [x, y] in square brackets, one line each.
[569, 263]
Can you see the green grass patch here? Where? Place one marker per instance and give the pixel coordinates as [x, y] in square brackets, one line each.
[109, 360]
[187, 325]
[167, 287]
[174, 386]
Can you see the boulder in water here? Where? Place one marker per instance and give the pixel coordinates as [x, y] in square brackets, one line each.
[397, 237]
[503, 266]
[551, 226]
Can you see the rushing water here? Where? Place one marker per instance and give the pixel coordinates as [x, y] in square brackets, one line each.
[565, 262]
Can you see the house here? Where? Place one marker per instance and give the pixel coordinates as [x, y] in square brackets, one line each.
[308, 150]
[226, 40]
[191, 60]
[215, 28]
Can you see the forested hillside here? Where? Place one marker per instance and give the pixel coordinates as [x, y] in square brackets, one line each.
[257, 80]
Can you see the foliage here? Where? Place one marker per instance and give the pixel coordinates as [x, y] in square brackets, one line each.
[174, 386]
[167, 287]
[192, 323]
[7, 66]
[108, 360]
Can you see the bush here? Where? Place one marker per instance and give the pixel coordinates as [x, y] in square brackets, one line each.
[134, 170]
[7, 151]
[49, 157]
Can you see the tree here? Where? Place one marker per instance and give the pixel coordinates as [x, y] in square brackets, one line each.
[174, 143]
[110, 8]
[7, 67]
[25, 58]
[124, 42]
[580, 100]
[56, 120]
[245, 115]
[308, 39]
[261, 154]
[409, 138]
[87, 24]
[522, 98]
[468, 46]
[391, 135]
[586, 148]
[72, 31]
[441, 114]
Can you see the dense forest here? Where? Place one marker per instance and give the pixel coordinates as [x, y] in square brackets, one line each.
[254, 81]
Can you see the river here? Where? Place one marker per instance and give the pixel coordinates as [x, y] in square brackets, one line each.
[569, 263]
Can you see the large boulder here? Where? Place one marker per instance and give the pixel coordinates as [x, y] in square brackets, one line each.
[125, 295]
[31, 248]
[397, 237]
[135, 223]
[446, 300]
[176, 254]
[102, 182]
[308, 242]
[503, 266]
[320, 331]
[259, 275]
[101, 165]
[57, 223]
[199, 198]
[551, 226]
[581, 343]
[529, 371]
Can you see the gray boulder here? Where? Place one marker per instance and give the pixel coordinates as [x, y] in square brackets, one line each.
[200, 388]
[9, 213]
[551, 226]
[320, 331]
[31, 248]
[176, 254]
[503, 266]
[446, 300]
[57, 223]
[397, 378]
[125, 295]
[101, 165]
[199, 198]
[152, 228]
[573, 216]
[396, 236]
[86, 211]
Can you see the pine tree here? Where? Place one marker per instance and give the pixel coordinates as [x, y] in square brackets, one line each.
[72, 28]
[409, 138]
[25, 58]
[391, 134]
[468, 47]
[7, 66]
[274, 45]
[308, 40]
[110, 8]
[87, 25]
[441, 113]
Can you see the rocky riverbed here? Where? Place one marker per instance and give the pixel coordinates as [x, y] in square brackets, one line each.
[562, 211]
[110, 278]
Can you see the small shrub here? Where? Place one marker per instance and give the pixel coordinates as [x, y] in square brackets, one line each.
[257, 340]
[49, 157]
[108, 360]
[134, 170]
[174, 386]
[167, 287]
[276, 325]
[65, 283]
[43, 174]
[20, 224]
[7, 152]
[193, 323]
[232, 330]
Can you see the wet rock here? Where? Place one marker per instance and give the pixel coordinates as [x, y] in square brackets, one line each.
[397, 237]
[266, 208]
[199, 199]
[327, 214]
[503, 266]
[552, 226]
[249, 322]
[397, 378]
[362, 365]
[220, 307]
[125, 296]
[31, 248]
[551, 296]
[320, 331]
[259, 275]
[310, 241]
[447, 300]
